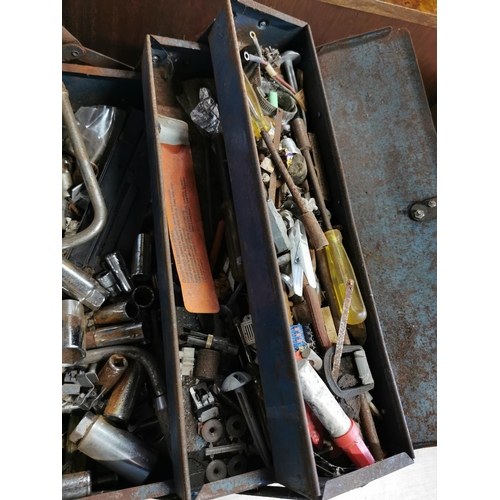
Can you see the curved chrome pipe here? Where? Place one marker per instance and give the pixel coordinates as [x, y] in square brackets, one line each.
[89, 178]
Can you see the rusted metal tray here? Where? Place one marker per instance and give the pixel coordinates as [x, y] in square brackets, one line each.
[163, 59]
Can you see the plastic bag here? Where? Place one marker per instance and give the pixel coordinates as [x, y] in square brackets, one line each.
[95, 124]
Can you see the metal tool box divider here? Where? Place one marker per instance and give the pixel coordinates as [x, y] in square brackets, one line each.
[292, 451]
[188, 60]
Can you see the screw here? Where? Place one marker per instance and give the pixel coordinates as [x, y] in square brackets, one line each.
[262, 24]
[419, 214]
[156, 59]
[431, 204]
[235, 382]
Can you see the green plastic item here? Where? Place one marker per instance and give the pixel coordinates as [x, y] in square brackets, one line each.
[273, 98]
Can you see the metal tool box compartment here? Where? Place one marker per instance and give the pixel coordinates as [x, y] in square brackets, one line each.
[292, 452]
[129, 181]
[294, 464]
[165, 59]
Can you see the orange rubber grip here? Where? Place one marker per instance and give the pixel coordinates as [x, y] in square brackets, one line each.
[185, 229]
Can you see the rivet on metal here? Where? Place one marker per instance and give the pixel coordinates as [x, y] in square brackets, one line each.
[431, 204]
[75, 53]
[419, 214]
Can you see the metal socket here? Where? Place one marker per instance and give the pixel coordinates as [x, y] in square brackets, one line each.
[121, 312]
[82, 287]
[73, 332]
[76, 485]
[117, 449]
[107, 280]
[112, 371]
[143, 296]
[124, 396]
[140, 269]
[117, 266]
[114, 335]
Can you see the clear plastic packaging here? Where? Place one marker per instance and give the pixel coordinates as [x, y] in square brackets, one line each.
[95, 124]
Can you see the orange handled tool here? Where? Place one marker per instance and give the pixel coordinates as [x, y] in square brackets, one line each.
[185, 226]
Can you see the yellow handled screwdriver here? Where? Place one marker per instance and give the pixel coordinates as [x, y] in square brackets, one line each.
[332, 252]
[339, 265]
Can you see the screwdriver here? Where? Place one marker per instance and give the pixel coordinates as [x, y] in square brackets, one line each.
[329, 246]
[339, 265]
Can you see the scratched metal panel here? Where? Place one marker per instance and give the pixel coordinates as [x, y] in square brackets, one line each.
[291, 446]
[387, 151]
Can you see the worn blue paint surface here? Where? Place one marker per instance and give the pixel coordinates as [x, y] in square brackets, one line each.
[387, 149]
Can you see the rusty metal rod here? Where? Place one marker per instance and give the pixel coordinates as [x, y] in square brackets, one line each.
[369, 430]
[89, 178]
[300, 133]
[314, 232]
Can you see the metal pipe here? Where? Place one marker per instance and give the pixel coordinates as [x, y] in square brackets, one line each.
[89, 178]
[140, 270]
[77, 485]
[124, 396]
[117, 449]
[114, 335]
[73, 332]
[121, 312]
[82, 287]
[67, 182]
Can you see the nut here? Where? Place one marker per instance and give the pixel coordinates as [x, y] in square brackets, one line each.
[419, 214]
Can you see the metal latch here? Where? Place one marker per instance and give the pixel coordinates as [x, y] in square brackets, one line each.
[424, 210]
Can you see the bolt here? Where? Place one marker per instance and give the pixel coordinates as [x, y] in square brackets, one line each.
[235, 382]
[156, 59]
[419, 214]
[432, 204]
[262, 24]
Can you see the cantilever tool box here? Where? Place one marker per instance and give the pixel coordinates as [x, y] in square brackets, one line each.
[217, 55]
